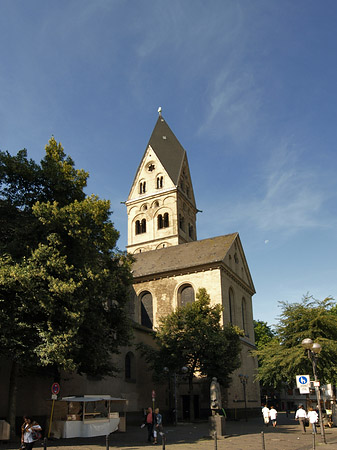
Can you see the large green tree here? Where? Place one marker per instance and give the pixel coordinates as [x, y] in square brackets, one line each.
[192, 336]
[63, 282]
[283, 357]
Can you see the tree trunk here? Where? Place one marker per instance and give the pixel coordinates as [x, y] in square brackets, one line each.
[11, 416]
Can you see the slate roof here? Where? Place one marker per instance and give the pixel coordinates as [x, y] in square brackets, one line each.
[168, 149]
[182, 256]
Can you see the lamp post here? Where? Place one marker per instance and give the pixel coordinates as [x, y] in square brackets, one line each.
[314, 350]
[184, 370]
[244, 381]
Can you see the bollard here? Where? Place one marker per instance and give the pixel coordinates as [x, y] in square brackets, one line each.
[107, 441]
[263, 444]
[215, 441]
[164, 441]
[45, 443]
[313, 441]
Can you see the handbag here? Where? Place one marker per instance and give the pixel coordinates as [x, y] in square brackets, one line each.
[36, 435]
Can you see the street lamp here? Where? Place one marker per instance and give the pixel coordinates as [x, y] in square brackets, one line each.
[244, 381]
[314, 349]
[183, 370]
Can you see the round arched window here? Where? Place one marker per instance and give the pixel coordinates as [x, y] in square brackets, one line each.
[186, 295]
[146, 309]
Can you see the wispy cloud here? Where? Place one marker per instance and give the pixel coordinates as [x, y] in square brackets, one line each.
[234, 103]
[287, 197]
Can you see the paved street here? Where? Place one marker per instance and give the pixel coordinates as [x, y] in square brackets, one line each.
[240, 435]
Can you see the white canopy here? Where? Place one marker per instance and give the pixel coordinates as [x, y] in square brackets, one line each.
[91, 398]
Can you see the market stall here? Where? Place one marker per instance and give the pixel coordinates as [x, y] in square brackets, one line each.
[87, 416]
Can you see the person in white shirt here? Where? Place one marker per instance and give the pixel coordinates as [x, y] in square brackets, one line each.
[28, 428]
[301, 416]
[313, 419]
[273, 416]
[265, 414]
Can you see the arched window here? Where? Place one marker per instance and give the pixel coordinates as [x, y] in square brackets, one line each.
[185, 295]
[231, 305]
[190, 230]
[142, 187]
[163, 222]
[181, 222]
[244, 315]
[160, 182]
[140, 226]
[130, 372]
[146, 313]
[143, 226]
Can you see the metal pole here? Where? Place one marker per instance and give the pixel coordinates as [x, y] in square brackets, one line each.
[263, 444]
[45, 443]
[313, 441]
[244, 393]
[107, 441]
[318, 394]
[215, 441]
[175, 400]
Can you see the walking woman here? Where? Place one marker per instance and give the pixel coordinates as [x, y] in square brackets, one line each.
[28, 432]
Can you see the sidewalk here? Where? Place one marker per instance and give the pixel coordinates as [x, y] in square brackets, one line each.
[240, 435]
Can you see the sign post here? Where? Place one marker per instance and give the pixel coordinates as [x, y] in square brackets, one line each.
[55, 389]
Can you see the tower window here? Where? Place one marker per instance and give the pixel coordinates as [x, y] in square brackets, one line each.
[190, 231]
[142, 187]
[160, 182]
[140, 226]
[181, 222]
[163, 221]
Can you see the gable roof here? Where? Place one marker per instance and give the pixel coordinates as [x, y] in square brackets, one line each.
[189, 256]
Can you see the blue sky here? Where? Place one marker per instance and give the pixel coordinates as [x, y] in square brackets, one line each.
[249, 89]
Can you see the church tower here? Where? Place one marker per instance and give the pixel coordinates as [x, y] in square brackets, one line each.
[161, 206]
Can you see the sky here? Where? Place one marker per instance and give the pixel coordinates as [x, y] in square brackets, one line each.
[248, 88]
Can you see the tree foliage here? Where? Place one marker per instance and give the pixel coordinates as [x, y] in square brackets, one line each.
[263, 333]
[63, 282]
[192, 336]
[283, 357]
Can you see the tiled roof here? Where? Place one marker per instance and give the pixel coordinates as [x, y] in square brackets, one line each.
[167, 148]
[183, 256]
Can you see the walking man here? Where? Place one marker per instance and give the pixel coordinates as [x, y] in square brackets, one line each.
[301, 416]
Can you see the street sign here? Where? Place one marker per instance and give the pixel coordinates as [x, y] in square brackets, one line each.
[304, 390]
[303, 381]
[54, 396]
[317, 383]
[55, 389]
[153, 395]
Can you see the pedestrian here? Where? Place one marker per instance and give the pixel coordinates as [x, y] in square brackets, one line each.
[265, 414]
[301, 416]
[313, 419]
[29, 433]
[158, 425]
[149, 422]
[273, 416]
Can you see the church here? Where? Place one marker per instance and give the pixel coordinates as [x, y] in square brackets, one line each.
[170, 266]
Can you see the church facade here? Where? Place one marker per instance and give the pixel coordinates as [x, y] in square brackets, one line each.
[171, 264]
